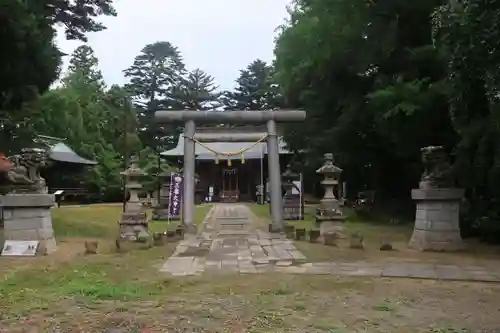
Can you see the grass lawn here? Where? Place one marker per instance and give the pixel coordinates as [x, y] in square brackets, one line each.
[125, 293]
[373, 234]
[101, 220]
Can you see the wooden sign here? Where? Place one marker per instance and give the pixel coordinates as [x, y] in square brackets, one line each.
[17, 248]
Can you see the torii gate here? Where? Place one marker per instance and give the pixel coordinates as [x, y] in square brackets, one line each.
[190, 118]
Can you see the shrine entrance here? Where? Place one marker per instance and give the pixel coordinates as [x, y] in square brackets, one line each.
[270, 118]
[230, 191]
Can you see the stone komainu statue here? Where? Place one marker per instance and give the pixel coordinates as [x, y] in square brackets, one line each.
[437, 172]
[26, 167]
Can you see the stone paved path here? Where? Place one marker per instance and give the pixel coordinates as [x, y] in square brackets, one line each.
[228, 242]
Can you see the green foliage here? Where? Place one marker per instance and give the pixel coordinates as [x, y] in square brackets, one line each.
[148, 161]
[256, 89]
[84, 62]
[468, 33]
[154, 78]
[30, 61]
[78, 16]
[371, 81]
[382, 79]
[98, 123]
[197, 91]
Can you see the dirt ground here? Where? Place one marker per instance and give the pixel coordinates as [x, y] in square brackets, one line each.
[125, 292]
[278, 303]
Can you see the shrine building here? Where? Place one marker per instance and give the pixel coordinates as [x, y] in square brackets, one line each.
[233, 178]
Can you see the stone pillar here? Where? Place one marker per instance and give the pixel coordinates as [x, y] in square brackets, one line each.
[292, 205]
[197, 189]
[437, 220]
[328, 214]
[27, 217]
[188, 205]
[134, 222]
[274, 177]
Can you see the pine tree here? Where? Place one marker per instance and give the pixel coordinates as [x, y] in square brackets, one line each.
[255, 90]
[197, 91]
[84, 61]
[154, 76]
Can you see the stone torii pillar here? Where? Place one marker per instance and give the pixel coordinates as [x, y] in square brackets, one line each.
[270, 118]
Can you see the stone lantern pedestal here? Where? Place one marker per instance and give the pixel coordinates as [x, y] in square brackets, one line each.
[328, 214]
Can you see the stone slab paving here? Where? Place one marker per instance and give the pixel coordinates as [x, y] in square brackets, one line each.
[398, 270]
[228, 242]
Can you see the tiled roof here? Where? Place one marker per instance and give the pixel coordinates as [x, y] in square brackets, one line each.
[62, 153]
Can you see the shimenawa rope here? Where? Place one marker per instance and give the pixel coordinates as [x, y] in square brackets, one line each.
[228, 154]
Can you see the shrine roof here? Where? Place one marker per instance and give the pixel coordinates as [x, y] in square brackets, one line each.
[62, 153]
[202, 153]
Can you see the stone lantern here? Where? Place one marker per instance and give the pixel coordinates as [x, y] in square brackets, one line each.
[328, 214]
[132, 176]
[293, 208]
[134, 223]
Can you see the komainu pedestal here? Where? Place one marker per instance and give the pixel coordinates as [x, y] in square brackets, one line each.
[27, 217]
[26, 209]
[437, 220]
[438, 206]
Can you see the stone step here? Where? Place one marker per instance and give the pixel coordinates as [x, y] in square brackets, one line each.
[231, 217]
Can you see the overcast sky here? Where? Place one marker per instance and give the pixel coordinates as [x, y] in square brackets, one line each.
[219, 36]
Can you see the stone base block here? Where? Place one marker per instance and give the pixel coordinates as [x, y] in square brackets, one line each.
[293, 213]
[133, 232]
[134, 218]
[293, 208]
[437, 220]
[133, 206]
[190, 229]
[28, 217]
[47, 246]
[329, 227]
[162, 214]
[429, 240]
